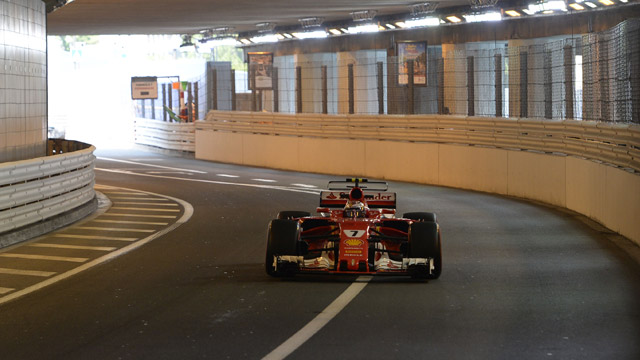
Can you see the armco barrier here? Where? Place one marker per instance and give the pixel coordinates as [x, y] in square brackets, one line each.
[37, 189]
[165, 135]
[591, 168]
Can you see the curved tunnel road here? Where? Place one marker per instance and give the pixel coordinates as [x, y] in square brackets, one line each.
[519, 281]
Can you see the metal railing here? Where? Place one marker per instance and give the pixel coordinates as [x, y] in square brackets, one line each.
[37, 189]
[616, 144]
[165, 135]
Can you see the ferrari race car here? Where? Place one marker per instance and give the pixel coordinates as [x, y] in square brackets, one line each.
[356, 232]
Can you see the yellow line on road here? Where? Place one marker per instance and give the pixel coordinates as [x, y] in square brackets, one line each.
[112, 229]
[144, 209]
[130, 222]
[5, 290]
[90, 237]
[138, 198]
[26, 272]
[141, 215]
[44, 257]
[143, 203]
[73, 247]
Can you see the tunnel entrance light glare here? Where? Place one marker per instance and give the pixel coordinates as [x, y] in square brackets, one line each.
[547, 6]
[210, 44]
[576, 6]
[335, 32]
[318, 34]
[490, 16]
[427, 21]
[590, 4]
[512, 13]
[363, 29]
[264, 39]
[606, 2]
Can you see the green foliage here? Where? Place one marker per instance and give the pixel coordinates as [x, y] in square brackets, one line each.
[67, 40]
[231, 54]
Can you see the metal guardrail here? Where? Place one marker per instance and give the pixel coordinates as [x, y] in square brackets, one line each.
[614, 143]
[165, 135]
[37, 189]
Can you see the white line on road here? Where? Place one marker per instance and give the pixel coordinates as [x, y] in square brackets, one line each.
[228, 176]
[265, 180]
[319, 321]
[73, 247]
[144, 209]
[188, 212]
[130, 222]
[26, 272]
[91, 237]
[258, 186]
[304, 186]
[44, 257]
[5, 290]
[112, 229]
[151, 165]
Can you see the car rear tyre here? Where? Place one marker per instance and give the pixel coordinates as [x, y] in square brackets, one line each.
[282, 240]
[420, 216]
[424, 242]
[292, 214]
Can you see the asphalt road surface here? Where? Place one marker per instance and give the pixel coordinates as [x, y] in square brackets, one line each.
[519, 281]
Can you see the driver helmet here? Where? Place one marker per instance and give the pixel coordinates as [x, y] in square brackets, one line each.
[354, 209]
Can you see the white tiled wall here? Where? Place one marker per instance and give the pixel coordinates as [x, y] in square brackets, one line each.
[23, 79]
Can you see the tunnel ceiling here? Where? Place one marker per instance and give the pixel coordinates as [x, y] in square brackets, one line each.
[97, 17]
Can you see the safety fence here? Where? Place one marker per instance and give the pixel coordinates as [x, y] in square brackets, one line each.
[37, 189]
[172, 104]
[583, 77]
[165, 135]
[616, 144]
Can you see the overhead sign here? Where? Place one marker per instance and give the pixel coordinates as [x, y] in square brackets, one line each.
[144, 87]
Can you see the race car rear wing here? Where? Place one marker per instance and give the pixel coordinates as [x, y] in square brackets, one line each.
[374, 199]
[364, 184]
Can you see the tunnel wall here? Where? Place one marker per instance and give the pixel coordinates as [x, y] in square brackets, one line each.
[607, 194]
[23, 80]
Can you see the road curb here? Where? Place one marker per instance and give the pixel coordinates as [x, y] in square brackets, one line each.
[59, 221]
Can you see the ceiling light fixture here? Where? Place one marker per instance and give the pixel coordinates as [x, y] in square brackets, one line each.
[427, 21]
[319, 34]
[364, 15]
[454, 19]
[422, 9]
[489, 16]
[309, 22]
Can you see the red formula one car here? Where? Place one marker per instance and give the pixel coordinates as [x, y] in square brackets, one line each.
[356, 232]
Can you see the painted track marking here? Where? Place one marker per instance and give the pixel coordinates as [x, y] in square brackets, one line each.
[72, 247]
[322, 319]
[44, 257]
[53, 277]
[130, 222]
[92, 237]
[113, 229]
[150, 165]
[26, 272]
[141, 215]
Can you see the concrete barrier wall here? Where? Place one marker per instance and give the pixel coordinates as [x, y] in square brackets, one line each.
[604, 193]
